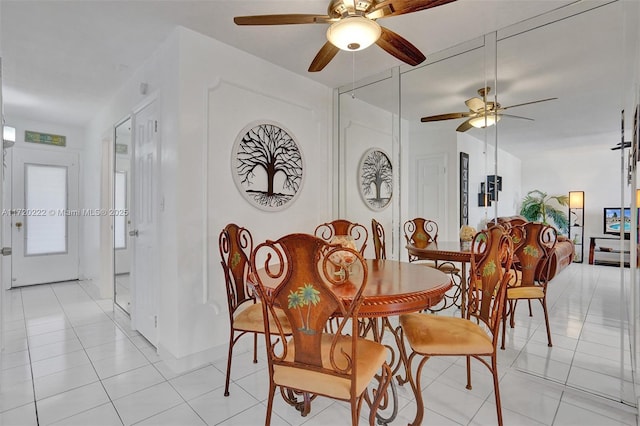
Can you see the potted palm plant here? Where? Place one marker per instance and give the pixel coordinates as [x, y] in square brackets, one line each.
[537, 207]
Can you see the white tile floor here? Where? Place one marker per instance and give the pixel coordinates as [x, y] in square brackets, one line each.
[70, 360]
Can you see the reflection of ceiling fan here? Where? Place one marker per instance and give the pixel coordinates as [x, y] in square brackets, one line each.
[481, 113]
[354, 27]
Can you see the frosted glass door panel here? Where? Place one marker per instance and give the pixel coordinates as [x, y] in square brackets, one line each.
[46, 204]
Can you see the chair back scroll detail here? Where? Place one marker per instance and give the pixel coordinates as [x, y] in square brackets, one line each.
[493, 254]
[327, 231]
[419, 232]
[535, 252]
[235, 242]
[306, 277]
[379, 244]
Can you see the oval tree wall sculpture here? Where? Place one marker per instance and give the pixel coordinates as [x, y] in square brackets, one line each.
[375, 176]
[267, 165]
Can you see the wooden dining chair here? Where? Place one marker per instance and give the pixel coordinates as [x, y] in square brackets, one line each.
[379, 243]
[245, 312]
[342, 227]
[476, 335]
[532, 271]
[419, 232]
[312, 282]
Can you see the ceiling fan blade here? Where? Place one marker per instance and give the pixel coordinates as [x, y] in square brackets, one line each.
[324, 56]
[401, 7]
[399, 47]
[516, 116]
[528, 103]
[464, 126]
[475, 104]
[449, 116]
[282, 19]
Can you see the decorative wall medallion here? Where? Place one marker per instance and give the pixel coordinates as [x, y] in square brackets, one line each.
[267, 165]
[375, 179]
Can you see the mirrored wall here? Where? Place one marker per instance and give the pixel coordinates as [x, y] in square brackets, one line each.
[121, 203]
[559, 81]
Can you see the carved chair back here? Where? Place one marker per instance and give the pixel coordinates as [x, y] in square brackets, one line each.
[490, 264]
[342, 227]
[419, 232]
[534, 253]
[312, 282]
[235, 243]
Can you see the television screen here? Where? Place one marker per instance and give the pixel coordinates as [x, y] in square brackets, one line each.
[614, 219]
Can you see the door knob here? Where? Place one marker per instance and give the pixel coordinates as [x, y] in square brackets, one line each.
[18, 225]
[133, 233]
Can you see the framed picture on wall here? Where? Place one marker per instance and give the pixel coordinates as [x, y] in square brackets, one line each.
[267, 165]
[375, 179]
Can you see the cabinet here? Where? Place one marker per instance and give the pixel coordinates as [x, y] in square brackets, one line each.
[576, 223]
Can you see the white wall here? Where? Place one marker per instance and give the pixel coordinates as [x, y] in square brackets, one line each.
[362, 127]
[207, 92]
[221, 91]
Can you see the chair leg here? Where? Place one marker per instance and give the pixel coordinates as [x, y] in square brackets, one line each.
[512, 308]
[354, 411]
[255, 348]
[504, 329]
[417, 388]
[272, 391]
[468, 372]
[496, 388]
[546, 320]
[229, 356]
[530, 312]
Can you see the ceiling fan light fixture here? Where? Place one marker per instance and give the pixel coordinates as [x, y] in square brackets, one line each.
[479, 122]
[354, 33]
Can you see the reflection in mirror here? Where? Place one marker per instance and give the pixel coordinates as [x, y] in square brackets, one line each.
[575, 54]
[442, 93]
[121, 194]
[368, 121]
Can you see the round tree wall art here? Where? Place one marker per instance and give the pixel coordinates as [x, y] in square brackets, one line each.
[267, 165]
[375, 176]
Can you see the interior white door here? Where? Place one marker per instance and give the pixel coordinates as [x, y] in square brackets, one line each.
[431, 191]
[44, 217]
[144, 210]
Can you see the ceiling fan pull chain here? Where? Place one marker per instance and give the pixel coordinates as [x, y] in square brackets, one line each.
[353, 75]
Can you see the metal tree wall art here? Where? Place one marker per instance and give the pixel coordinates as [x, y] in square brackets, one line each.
[267, 165]
[376, 179]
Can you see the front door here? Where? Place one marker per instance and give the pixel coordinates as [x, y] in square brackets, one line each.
[145, 207]
[44, 217]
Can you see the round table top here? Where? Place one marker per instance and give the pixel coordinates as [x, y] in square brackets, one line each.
[441, 250]
[395, 287]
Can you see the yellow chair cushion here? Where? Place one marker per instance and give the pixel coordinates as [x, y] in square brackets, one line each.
[525, 292]
[371, 356]
[251, 319]
[438, 335]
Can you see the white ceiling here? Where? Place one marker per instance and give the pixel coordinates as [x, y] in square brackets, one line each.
[63, 59]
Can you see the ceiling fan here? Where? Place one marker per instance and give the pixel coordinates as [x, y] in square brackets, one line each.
[354, 27]
[481, 112]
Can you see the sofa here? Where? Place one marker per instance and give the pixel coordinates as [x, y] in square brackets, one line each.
[564, 252]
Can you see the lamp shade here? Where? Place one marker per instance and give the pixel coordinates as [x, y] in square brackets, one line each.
[576, 199]
[480, 123]
[354, 33]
